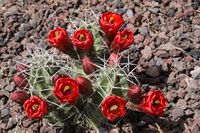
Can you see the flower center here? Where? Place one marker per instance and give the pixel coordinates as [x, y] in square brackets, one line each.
[111, 20]
[57, 33]
[125, 36]
[114, 108]
[81, 37]
[66, 89]
[35, 107]
[156, 102]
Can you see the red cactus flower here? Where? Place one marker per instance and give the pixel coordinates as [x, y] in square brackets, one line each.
[83, 40]
[153, 103]
[134, 92]
[113, 59]
[21, 67]
[113, 107]
[20, 81]
[19, 96]
[85, 86]
[66, 90]
[59, 38]
[35, 107]
[88, 65]
[122, 40]
[110, 23]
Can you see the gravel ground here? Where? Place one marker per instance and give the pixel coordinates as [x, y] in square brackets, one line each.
[167, 40]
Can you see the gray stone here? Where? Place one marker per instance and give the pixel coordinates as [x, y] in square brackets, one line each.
[144, 31]
[27, 122]
[25, 27]
[179, 65]
[11, 123]
[119, 4]
[129, 13]
[166, 2]
[196, 114]
[153, 71]
[115, 130]
[19, 36]
[181, 93]
[154, 10]
[195, 53]
[47, 13]
[195, 128]
[181, 103]
[146, 53]
[196, 105]
[196, 73]
[162, 54]
[2, 42]
[197, 33]
[177, 113]
[189, 112]
[4, 113]
[10, 11]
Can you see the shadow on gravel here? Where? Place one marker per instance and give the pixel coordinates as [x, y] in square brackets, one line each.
[153, 75]
[142, 123]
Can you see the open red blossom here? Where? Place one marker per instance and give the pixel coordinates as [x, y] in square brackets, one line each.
[110, 23]
[59, 38]
[122, 40]
[113, 107]
[153, 103]
[66, 89]
[35, 107]
[83, 40]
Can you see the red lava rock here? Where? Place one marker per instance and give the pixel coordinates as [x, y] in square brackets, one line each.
[181, 93]
[166, 2]
[188, 11]
[195, 128]
[196, 21]
[138, 38]
[146, 53]
[177, 113]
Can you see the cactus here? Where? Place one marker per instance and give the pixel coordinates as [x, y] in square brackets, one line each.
[106, 80]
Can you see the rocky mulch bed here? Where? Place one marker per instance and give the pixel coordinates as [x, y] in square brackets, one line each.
[167, 54]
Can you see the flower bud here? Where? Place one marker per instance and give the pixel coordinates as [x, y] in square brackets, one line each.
[88, 66]
[113, 59]
[20, 67]
[134, 92]
[19, 96]
[85, 86]
[20, 81]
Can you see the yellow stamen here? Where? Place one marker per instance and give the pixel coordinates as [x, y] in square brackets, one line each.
[157, 102]
[66, 88]
[111, 21]
[57, 33]
[81, 37]
[114, 108]
[35, 106]
[125, 36]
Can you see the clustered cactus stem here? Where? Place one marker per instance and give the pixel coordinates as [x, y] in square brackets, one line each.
[87, 85]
